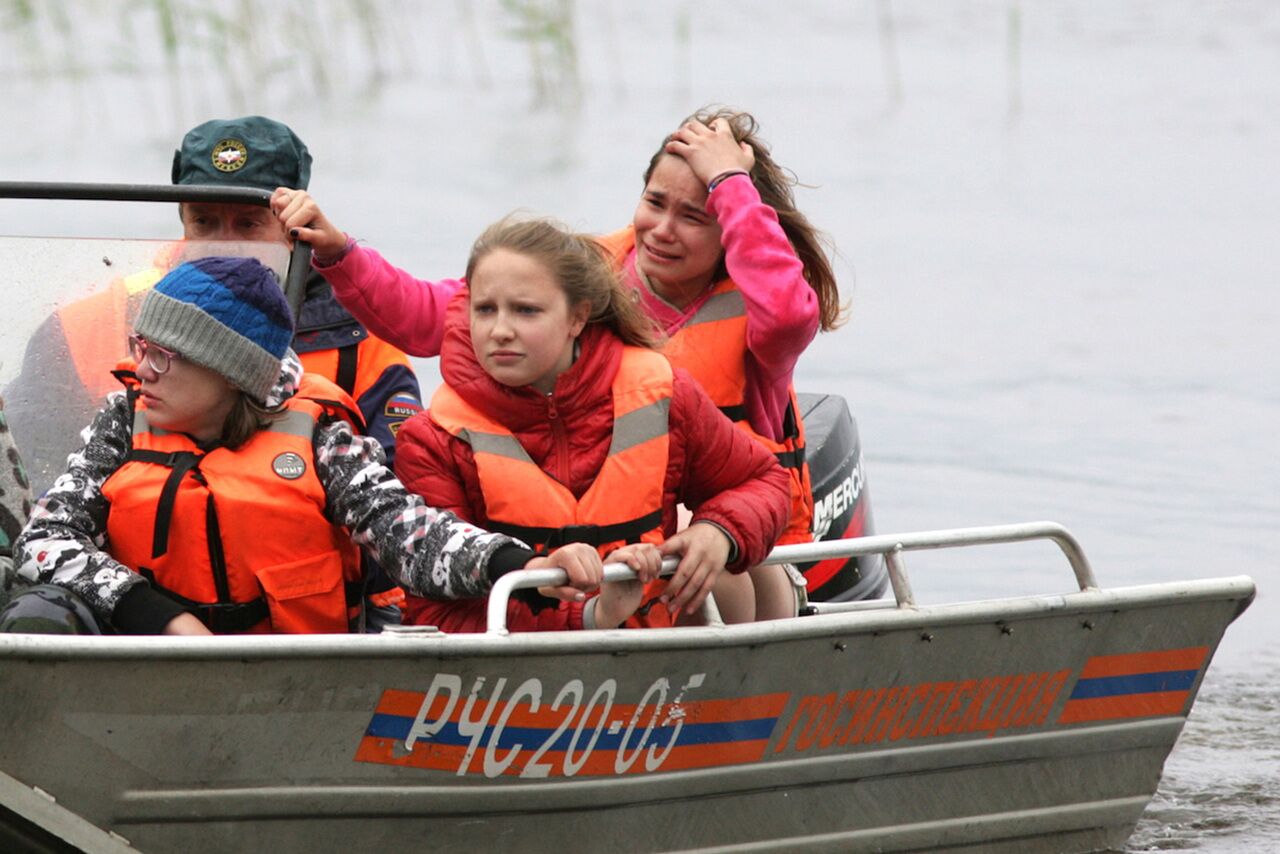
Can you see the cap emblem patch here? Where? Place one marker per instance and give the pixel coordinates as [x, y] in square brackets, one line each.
[229, 155]
[289, 466]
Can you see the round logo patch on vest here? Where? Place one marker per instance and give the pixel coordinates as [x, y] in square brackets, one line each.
[229, 155]
[289, 466]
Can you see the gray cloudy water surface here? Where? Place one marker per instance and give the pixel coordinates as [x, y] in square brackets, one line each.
[1057, 227]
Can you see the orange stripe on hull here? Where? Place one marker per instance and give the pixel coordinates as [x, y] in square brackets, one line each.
[1190, 658]
[1129, 706]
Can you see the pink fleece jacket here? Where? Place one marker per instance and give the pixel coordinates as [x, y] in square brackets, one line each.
[782, 310]
[393, 305]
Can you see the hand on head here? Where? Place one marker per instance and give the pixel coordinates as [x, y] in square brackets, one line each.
[583, 565]
[302, 219]
[710, 150]
[704, 550]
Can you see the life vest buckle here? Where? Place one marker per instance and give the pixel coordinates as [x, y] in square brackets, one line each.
[589, 534]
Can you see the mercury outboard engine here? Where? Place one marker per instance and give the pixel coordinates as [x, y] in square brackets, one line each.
[841, 505]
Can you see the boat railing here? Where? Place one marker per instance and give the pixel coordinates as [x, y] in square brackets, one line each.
[891, 546]
[300, 256]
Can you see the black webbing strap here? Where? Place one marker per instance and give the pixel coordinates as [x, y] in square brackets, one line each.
[354, 590]
[213, 534]
[346, 376]
[132, 386]
[790, 430]
[592, 535]
[220, 618]
[791, 459]
[790, 423]
[132, 390]
[181, 463]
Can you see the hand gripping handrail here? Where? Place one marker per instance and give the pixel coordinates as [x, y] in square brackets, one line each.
[889, 545]
[525, 578]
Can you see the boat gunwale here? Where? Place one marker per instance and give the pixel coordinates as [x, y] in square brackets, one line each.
[397, 645]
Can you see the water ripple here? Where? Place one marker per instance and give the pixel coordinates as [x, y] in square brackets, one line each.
[1220, 792]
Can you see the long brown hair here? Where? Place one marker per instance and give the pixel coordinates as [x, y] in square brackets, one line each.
[581, 267]
[774, 184]
[246, 417]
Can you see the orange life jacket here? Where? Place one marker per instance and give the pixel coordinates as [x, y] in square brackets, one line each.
[238, 536]
[624, 504]
[358, 367]
[712, 347]
[96, 327]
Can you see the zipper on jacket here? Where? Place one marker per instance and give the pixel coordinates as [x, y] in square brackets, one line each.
[561, 442]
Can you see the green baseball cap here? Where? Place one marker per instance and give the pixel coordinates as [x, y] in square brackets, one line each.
[252, 151]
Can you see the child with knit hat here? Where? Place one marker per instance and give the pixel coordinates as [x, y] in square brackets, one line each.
[226, 491]
[60, 387]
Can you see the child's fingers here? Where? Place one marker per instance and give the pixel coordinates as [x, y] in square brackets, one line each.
[651, 564]
[565, 594]
[581, 563]
[678, 588]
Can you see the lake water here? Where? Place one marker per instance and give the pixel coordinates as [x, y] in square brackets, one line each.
[1057, 226]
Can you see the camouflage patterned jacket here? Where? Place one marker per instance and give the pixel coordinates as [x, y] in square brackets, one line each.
[15, 502]
[429, 551]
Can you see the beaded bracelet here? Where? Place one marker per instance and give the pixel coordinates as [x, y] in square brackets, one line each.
[342, 253]
[715, 182]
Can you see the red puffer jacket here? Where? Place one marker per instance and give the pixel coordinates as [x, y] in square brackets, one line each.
[713, 468]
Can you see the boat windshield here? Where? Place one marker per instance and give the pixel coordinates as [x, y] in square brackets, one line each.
[70, 303]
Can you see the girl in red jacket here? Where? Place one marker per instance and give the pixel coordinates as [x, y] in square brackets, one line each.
[717, 254]
[557, 424]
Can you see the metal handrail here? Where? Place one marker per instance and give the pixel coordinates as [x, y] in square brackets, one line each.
[892, 545]
[299, 259]
[496, 617]
[889, 545]
[85, 192]
[522, 579]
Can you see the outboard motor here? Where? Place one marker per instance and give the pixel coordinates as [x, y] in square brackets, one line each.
[841, 505]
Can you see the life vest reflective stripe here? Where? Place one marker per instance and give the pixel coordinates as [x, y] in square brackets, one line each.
[624, 504]
[712, 347]
[225, 529]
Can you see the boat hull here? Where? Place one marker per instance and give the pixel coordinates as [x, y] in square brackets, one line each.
[1034, 724]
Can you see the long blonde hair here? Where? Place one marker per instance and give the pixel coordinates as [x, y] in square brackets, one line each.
[774, 184]
[579, 264]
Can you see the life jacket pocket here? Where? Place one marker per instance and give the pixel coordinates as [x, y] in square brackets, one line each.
[306, 596]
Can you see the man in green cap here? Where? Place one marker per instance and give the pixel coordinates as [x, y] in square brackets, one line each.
[54, 392]
[65, 375]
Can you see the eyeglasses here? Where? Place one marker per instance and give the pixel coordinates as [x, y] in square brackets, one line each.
[158, 358]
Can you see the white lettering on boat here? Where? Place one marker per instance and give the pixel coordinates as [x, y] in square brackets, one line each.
[562, 739]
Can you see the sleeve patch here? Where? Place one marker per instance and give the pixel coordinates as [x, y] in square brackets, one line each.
[402, 406]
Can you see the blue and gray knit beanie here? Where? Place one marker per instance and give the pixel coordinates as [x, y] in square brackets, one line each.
[228, 314]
